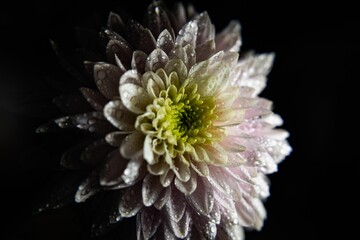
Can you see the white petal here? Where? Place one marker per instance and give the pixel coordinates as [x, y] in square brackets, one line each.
[188, 34]
[165, 41]
[116, 113]
[157, 59]
[134, 97]
[132, 144]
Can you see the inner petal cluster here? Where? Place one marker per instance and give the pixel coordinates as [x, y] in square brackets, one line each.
[178, 117]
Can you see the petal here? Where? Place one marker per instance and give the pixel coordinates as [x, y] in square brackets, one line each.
[188, 34]
[178, 66]
[229, 39]
[94, 98]
[96, 152]
[132, 144]
[131, 201]
[202, 199]
[206, 228]
[156, 19]
[230, 232]
[167, 178]
[181, 170]
[157, 59]
[165, 41]
[130, 77]
[181, 228]
[121, 48]
[187, 187]
[163, 198]
[206, 30]
[115, 22]
[87, 188]
[134, 97]
[220, 180]
[141, 38]
[119, 116]
[176, 205]
[148, 152]
[107, 79]
[252, 71]
[138, 61]
[150, 221]
[111, 173]
[133, 169]
[201, 168]
[151, 189]
[205, 50]
[116, 138]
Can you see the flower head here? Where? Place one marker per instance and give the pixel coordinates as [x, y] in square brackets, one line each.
[188, 140]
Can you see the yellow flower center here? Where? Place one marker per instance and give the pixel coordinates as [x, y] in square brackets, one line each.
[178, 118]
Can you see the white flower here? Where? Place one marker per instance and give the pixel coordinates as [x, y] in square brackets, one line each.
[193, 139]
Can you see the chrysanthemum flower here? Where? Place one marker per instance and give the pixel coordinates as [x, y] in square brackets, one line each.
[185, 142]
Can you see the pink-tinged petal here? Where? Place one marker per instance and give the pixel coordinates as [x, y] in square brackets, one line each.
[176, 205]
[151, 189]
[88, 188]
[138, 61]
[107, 79]
[150, 221]
[246, 213]
[134, 97]
[119, 116]
[181, 228]
[228, 186]
[202, 199]
[132, 144]
[201, 168]
[94, 98]
[131, 201]
[163, 198]
[187, 187]
[165, 41]
[188, 34]
[229, 39]
[114, 166]
[157, 59]
[252, 70]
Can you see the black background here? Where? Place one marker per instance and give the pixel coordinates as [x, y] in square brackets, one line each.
[313, 85]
